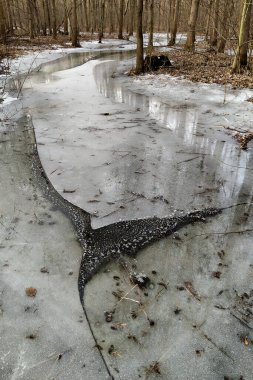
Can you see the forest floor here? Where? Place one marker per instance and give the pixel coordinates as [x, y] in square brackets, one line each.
[202, 65]
[207, 67]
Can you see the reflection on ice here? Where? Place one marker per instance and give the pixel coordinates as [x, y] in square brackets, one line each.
[170, 117]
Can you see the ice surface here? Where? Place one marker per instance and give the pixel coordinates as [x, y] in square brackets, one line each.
[46, 336]
[130, 148]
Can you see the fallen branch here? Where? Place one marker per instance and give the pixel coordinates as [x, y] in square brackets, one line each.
[242, 137]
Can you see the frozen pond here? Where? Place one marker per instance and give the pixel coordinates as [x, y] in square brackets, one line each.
[122, 148]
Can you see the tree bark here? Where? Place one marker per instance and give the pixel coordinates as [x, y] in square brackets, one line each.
[131, 15]
[30, 10]
[139, 51]
[192, 25]
[66, 19]
[214, 37]
[44, 23]
[151, 26]
[2, 22]
[87, 24]
[48, 16]
[7, 6]
[101, 22]
[54, 20]
[241, 57]
[208, 19]
[173, 34]
[228, 8]
[74, 28]
[121, 18]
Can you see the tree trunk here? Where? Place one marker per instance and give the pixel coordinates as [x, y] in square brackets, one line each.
[7, 6]
[151, 26]
[54, 19]
[228, 8]
[170, 19]
[44, 23]
[48, 16]
[18, 16]
[66, 19]
[192, 25]
[131, 15]
[214, 37]
[101, 21]
[30, 10]
[121, 17]
[208, 19]
[2, 23]
[173, 34]
[74, 28]
[139, 51]
[87, 24]
[241, 57]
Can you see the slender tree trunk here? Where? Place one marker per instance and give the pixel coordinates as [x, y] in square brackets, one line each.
[139, 34]
[214, 37]
[241, 57]
[169, 20]
[74, 28]
[208, 19]
[151, 26]
[54, 19]
[121, 18]
[44, 24]
[101, 23]
[174, 24]
[66, 19]
[48, 17]
[19, 23]
[2, 22]
[192, 25]
[8, 5]
[131, 15]
[30, 11]
[228, 8]
[85, 9]
[111, 21]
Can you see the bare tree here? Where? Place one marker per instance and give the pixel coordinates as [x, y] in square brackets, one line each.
[47, 15]
[74, 27]
[174, 24]
[66, 18]
[209, 13]
[214, 36]
[192, 24]
[101, 23]
[241, 57]
[31, 4]
[131, 17]
[228, 8]
[151, 26]
[139, 34]
[2, 22]
[54, 19]
[121, 19]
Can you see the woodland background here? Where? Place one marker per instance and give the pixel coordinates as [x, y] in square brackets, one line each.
[222, 23]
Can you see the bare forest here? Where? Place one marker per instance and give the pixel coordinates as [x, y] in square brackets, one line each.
[225, 26]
